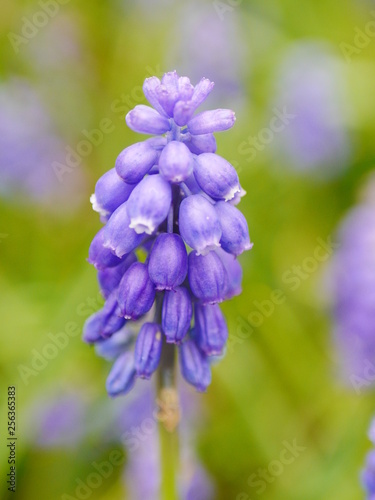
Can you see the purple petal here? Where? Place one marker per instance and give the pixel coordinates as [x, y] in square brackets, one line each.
[199, 224]
[211, 332]
[202, 91]
[199, 144]
[149, 204]
[148, 349]
[211, 121]
[207, 277]
[146, 120]
[110, 192]
[167, 266]
[176, 314]
[176, 162]
[235, 233]
[195, 367]
[100, 256]
[118, 236]
[136, 292]
[216, 176]
[122, 376]
[149, 89]
[109, 278]
[135, 161]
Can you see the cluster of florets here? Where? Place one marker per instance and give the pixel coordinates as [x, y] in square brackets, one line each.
[172, 197]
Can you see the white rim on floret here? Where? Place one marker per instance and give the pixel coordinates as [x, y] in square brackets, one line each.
[142, 225]
[232, 193]
[208, 248]
[98, 208]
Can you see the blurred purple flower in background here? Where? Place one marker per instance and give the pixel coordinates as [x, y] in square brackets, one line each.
[368, 473]
[58, 420]
[206, 44]
[28, 147]
[58, 46]
[66, 420]
[310, 87]
[195, 484]
[352, 277]
[142, 472]
[63, 68]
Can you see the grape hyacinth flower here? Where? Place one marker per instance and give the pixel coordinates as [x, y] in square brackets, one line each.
[172, 198]
[353, 284]
[58, 419]
[313, 138]
[368, 473]
[29, 146]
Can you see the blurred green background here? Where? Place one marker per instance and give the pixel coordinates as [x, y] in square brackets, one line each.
[279, 380]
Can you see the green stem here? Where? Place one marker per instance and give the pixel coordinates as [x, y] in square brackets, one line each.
[169, 415]
[168, 464]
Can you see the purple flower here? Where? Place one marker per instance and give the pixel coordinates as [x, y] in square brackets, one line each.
[168, 262]
[237, 197]
[199, 144]
[176, 162]
[371, 431]
[207, 39]
[58, 420]
[234, 272]
[192, 97]
[110, 192]
[149, 204]
[199, 224]
[192, 185]
[166, 194]
[176, 314]
[115, 345]
[92, 328]
[368, 473]
[201, 91]
[208, 278]
[104, 322]
[200, 486]
[211, 121]
[135, 161]
[195, 367]
[168, 92]
[151, 89]
[33, 164]
[136, 292]
[313, 137]
[110, 277]
[148, 349]
[146, 120]
[118, 236]
[122, 375]
[100, 256]
[216, 176]
[235, 233]
[142, 472]
[353, 286]
[211, 332]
